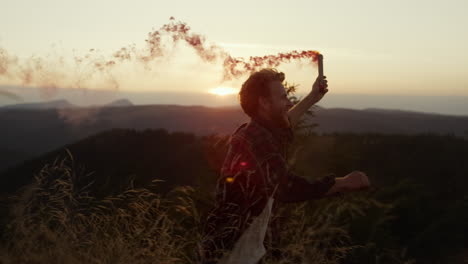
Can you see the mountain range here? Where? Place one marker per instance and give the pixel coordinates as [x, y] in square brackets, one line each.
[33, 129]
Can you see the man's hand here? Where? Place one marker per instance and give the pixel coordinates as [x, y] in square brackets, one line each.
[319, 88]
[354, 181]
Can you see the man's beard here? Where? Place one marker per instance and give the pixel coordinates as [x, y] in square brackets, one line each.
[280, 118]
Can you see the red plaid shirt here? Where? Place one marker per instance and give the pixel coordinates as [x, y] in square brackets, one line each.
[255, 168]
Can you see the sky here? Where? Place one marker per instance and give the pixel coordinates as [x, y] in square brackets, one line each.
[378, 48]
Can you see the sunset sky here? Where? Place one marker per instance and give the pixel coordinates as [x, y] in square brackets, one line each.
[397, 48]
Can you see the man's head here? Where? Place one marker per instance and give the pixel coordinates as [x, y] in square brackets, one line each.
[263, 96]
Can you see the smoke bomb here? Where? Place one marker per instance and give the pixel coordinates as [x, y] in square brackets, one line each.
[320, 64]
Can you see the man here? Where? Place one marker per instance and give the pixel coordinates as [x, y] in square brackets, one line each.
[255, 167]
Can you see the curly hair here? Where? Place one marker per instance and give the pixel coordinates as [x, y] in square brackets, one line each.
[255, 86]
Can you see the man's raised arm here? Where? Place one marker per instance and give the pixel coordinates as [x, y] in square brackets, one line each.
[319, 89]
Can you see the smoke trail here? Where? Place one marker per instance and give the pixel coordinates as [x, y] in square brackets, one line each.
[236, 67]
[232, 67]
[46, 72]
[51, 72]
[6, 61]
[180, 32]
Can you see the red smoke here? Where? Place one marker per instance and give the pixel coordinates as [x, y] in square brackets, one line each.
[233, 67]
[49, 73]
[177, 32]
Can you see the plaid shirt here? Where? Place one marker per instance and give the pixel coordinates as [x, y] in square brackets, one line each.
[255, 168]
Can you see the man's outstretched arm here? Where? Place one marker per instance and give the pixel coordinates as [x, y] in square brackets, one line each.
[290, 187]
[293, 188]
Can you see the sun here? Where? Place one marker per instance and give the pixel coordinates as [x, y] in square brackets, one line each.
[223, 90]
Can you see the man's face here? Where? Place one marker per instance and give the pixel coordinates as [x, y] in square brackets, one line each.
[278, 104]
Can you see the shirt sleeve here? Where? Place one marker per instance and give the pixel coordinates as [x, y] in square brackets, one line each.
[289, 187]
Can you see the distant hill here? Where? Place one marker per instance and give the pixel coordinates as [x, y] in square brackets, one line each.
[10, 157]
[56, 104]
[35, 131]
[388, 121]
[120, 102]
[62, 103]
[115, 159]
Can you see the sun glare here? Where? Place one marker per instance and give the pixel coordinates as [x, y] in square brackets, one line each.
[222, 90]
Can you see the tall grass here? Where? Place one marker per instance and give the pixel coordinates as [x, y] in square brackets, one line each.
[54, 221]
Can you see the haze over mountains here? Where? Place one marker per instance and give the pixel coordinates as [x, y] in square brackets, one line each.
[61, 104]
[32, 129]
[442, 104]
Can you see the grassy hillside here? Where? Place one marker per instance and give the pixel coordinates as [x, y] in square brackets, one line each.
[118, 157]
[102, 202]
